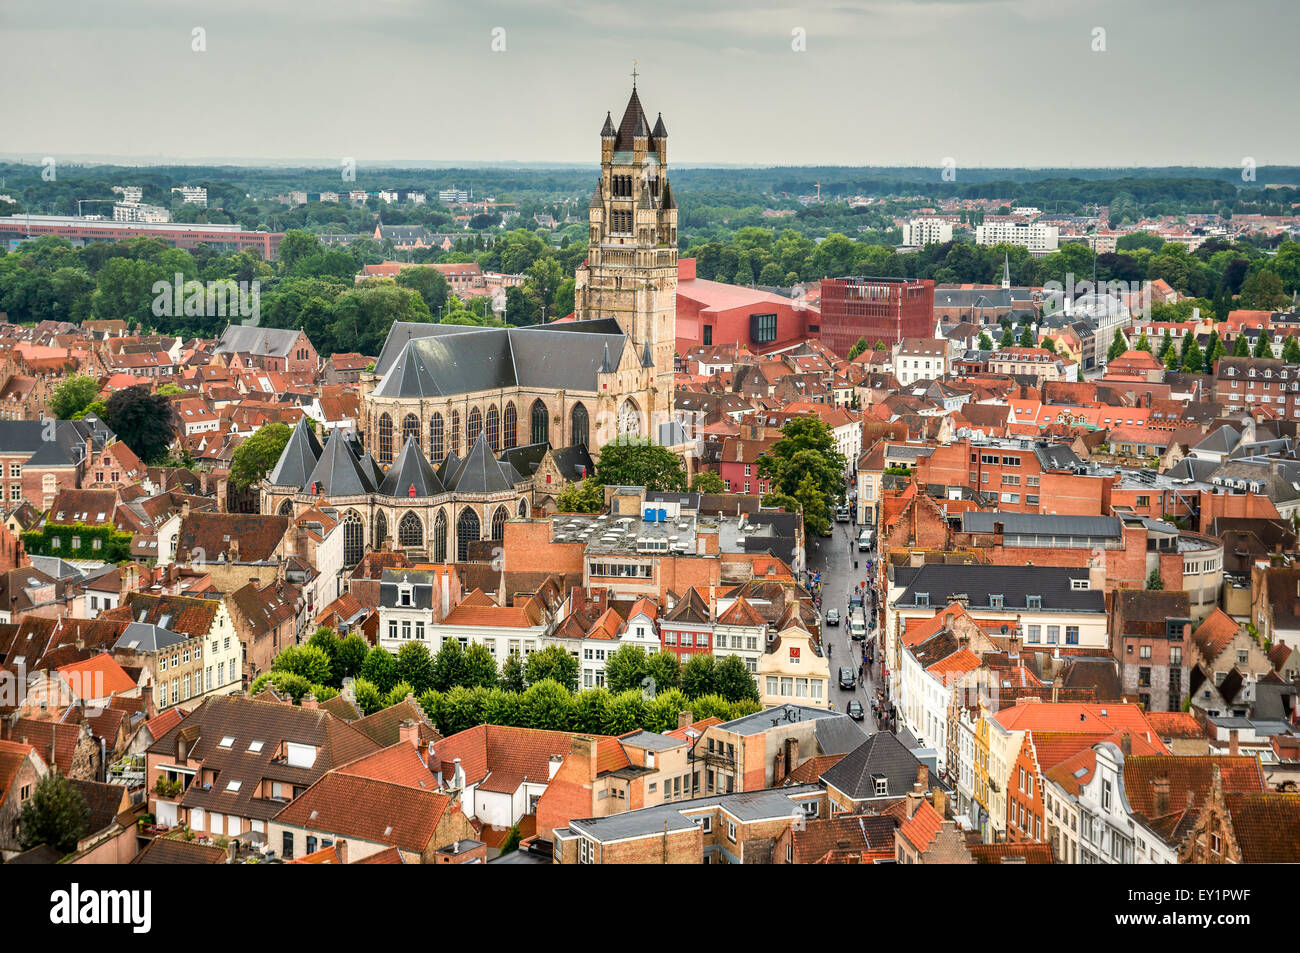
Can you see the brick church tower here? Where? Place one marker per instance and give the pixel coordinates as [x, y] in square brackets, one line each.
[630, 273]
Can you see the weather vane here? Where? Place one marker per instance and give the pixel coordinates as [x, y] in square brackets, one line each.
[634, 74]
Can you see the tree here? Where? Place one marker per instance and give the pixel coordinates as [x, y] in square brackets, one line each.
[512, 674]
[733, 681]
[327, 640]
[1193, 360]
[1117, 345]
[1026, 337]
[1263, 345]
[1154, 580]
[380, 669]
[626, 462]
[552, 663]
[480, 668]
[585, 496]
[985, 342]
[1291, 350]
[665, 669]
[1166, 345]
[350, 657]
[1008, 340]
[1142, 343]
[1241, 347]
[306, 661]
[625, 667]
[699, 676]
[706, 481]
[1213, 351]
[73, 396]
[415, 665]
[449, 666]
[805, 467]
[511, 843]
[258, 455]
[55, 814]
[857, 348]
[369, 700]
[1048, 344]
[428, 282]
[142, 421]
[1262, 291]
[548, 704]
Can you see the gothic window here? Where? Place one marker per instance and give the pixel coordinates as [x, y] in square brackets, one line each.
[541, 428]
[629, 419]
[435, 438]
[354, 535]
[523, 508]
[381, 529]
[578, 426]
[473, 427]
[411, 428]
[499, 523]
[455, 432]
[410, 531]
[494, 428]
[385, 439]
[286, 508]
[440, 537]
[510, 427]
[467, 530]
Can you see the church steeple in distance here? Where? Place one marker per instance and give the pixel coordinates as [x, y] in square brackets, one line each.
[631, 270]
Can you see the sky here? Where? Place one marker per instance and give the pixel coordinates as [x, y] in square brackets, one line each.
[1020, 83]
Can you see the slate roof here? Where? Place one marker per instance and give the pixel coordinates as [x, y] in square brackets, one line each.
[339, 471]
[411, 470]
[1038, 524]
[481, 472]
[881, 756]
[144, 637]
[264, 342]
[440, 359]
[298, 458]
[941, 582]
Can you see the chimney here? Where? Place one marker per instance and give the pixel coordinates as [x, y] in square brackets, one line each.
[185, 509]
[232, 851]
[1161, 786]
[923, 776]
[1233, 749]
[341, 848]
[684, 718]
[914, 799]
[1057, 684]
[309, 702]
[779, 769]
[408, 732]
[458, 774]
[234, 550]
[791, 754]
[146, 699]
[1126, 744]
[583, 750]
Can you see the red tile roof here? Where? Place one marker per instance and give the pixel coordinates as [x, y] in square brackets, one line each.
[377, 811]
[922, 828]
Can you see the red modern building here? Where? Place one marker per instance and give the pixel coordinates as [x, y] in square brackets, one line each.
[713, 312]
[79, 231]
[878, 309]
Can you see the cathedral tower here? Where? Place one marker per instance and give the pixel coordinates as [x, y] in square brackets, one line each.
[630, 273]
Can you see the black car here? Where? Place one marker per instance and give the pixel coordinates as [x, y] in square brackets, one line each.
[847, 679]
[832, 616]
[855, 711]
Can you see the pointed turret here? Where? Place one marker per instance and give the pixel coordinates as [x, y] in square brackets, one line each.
[632, 124]
[1006, 271]
[660, 130]
[338, 472]
[298, 458]
[411, 474]
[607, 130]
[482, 472]
[597, 198]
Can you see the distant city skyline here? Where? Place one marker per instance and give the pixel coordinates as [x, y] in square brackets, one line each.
[987, 83]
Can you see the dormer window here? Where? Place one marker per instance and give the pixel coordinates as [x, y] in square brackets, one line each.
[996, 601]
[404, 595]
[922, 598]
[1034, 602]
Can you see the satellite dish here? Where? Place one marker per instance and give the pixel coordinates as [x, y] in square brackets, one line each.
[1004, 628]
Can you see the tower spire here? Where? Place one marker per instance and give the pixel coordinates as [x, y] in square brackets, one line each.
[634, 74]
[1006, 270]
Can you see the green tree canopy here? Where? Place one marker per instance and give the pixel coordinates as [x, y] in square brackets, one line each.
[805, 466]
[706, 481]
[552, 664]
[142, 421]
[626, 462]
[73, 395]
[585, 496]
[258, 455]
[56, 814]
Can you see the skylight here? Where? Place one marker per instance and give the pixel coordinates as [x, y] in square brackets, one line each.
[227, 742]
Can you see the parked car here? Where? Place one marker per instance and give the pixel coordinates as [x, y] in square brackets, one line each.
[848, 679]
[842, 514]
[866, 540]
[833, 617]
[854, 709]
[855, 597]
[857, 631]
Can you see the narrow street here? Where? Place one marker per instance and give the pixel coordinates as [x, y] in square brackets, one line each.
[834, 558]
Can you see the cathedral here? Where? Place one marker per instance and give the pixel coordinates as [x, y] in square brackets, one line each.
[465, 427]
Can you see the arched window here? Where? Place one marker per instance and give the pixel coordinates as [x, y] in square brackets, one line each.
[473, 427]
[286, 508]
[510, 427]
[435, 438]
[467, 531]
[499, 523]
[523, 508]
[629, 419]
[385, 439]
[410, 531]
[411, 428]
[541, 423]
[440, 537]
[381, 529]
[494, 428]
[455, 432]
[354, 538]
[578, 426]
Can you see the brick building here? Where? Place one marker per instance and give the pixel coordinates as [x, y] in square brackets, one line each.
[878, 309]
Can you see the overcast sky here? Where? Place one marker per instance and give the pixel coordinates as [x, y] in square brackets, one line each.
[986, 82]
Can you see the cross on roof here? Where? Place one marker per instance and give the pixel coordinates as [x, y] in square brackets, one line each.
[634, 74]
